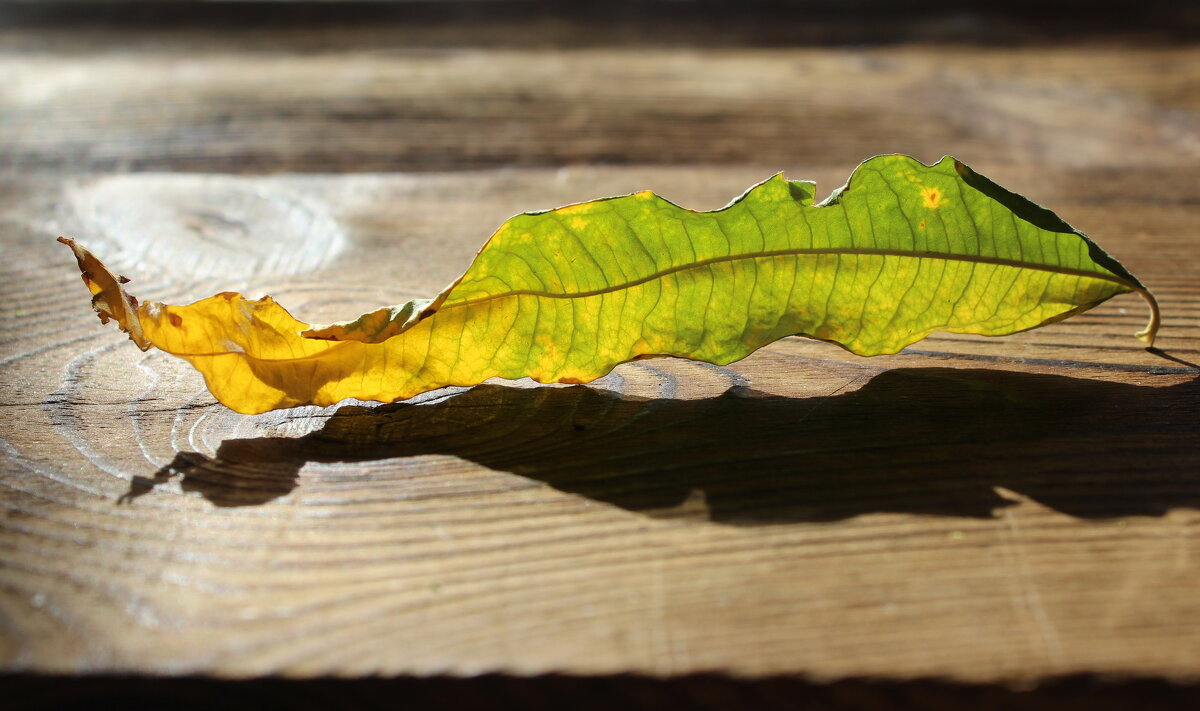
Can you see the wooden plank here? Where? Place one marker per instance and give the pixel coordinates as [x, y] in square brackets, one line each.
[200, 109]
[989, 510]
[974, 509]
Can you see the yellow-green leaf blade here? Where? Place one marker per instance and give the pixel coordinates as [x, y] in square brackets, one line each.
[564, 295]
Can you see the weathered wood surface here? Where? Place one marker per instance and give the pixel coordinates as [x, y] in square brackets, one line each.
[977, 509]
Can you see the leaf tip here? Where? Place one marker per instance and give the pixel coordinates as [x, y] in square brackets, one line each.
[109, 299]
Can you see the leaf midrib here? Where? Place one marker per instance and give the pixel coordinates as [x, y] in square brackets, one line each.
[732, 258]
[799, 251]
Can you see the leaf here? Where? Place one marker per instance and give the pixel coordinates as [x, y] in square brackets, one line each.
[564, 295]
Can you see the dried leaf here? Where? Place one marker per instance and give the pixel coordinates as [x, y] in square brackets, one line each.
[902, 250]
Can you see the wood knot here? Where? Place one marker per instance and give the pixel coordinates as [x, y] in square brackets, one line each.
[196, 226]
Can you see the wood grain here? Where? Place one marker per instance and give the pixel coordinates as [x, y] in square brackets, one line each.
[429, 109]
[1000, 510]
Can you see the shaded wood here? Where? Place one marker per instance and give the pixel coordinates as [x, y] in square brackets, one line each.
[995, 510]
[553, 692]
[630, 23]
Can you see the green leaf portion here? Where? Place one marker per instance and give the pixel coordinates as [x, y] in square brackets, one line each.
[902, 250]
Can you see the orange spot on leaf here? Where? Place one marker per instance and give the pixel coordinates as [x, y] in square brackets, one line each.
[932, 198]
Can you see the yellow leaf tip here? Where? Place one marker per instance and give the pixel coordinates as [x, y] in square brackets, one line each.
[109, 300]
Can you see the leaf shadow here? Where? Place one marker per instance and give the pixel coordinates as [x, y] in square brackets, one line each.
[928, 441]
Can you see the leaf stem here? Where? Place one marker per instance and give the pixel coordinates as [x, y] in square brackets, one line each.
[1147, 334]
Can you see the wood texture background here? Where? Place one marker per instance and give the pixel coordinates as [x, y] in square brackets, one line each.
[981, 510]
